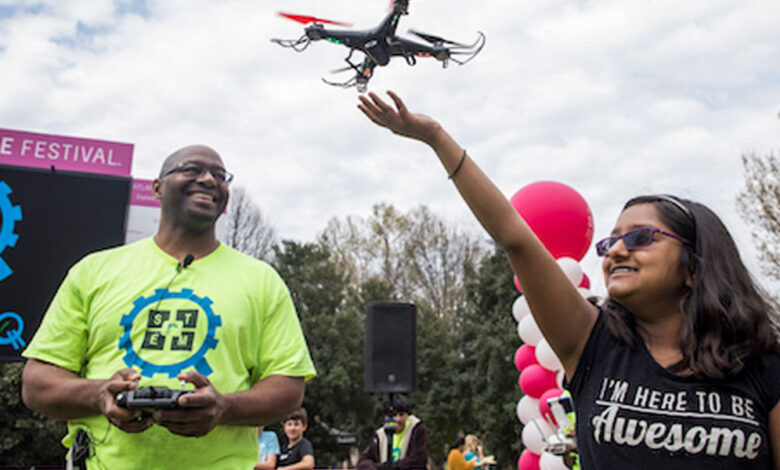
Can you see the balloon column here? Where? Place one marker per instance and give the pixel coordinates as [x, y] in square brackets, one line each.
[562, 220]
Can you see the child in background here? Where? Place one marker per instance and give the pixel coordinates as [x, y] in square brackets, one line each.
[297, 453]
[267, 449]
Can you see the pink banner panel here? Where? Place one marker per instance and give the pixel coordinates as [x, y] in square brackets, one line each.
[142, 195]
[35, 150]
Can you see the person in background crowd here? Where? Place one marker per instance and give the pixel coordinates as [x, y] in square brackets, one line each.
[473, 451]
[297, 453]
[456, 460]
[407, 434]
[267, 449]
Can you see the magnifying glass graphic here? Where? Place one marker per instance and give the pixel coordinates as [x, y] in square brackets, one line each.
[11, 327]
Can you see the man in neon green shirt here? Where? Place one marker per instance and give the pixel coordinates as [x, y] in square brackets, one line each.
[178, 307]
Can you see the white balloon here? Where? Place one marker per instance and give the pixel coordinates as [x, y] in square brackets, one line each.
[559, 376]
[535, 435]
[550, 461]
[546, 356]
[572, 269]
[520, 308]
[585, 292]
[529, 331]
[527, 409]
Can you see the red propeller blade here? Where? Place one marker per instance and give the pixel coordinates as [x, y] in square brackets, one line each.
[310, 19]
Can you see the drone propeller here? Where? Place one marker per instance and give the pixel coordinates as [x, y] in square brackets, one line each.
[311, 19]
[343, 69]
[436, 40]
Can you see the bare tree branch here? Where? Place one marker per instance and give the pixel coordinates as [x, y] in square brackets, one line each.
[759, 205]
[248, 230]
[417, 253]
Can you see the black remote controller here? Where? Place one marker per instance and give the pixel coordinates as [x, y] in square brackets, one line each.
[150, 398]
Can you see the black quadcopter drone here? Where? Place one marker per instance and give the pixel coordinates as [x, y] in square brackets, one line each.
[379, 44]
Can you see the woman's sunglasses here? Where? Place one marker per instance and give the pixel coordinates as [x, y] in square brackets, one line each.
[634, 239]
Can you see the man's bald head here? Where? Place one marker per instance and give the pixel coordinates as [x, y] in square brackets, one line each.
[186, 153]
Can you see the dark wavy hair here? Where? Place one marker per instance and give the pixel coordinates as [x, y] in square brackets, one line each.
[396, 404]
[727, 316]
[459, 441]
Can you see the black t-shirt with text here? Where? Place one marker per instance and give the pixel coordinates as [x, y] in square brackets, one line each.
[633, 413]
[294, 454]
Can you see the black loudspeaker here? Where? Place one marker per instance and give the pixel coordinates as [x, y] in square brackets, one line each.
[391, 347]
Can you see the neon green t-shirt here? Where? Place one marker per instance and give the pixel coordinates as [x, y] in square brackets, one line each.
[398, 438]
[227, 316]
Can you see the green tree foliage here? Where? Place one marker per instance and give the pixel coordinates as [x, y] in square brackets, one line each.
[759, 205]
[26, 438]
[488, 339]
[466, 380]
[334, 330]
[438, 399]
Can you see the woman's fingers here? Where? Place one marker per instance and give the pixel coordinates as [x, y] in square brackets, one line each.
[399, 104]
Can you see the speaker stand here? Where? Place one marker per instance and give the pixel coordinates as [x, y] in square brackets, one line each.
[389, 431]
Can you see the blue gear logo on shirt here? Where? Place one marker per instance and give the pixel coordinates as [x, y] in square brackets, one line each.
[197, 359]
[10, 215]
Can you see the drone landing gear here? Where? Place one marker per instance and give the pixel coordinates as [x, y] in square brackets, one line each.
[363, 74]
[460, 53]
[446, 50]
[358, 81]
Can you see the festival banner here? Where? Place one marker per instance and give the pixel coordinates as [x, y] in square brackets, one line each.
[30, 149]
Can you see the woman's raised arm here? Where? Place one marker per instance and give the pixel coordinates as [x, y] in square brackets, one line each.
[563, 315]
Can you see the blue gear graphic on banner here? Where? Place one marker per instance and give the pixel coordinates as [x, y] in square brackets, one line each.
[11, 214]
[197, 360]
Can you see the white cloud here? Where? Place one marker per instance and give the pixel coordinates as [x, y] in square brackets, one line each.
[612, 97]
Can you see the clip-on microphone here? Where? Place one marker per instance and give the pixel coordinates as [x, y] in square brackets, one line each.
[188, 259]
[184, 263]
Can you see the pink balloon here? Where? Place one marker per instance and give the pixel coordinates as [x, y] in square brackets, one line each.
[525, 356]
[544, 407]
[528, 461]
[585, 281]
[517, 284]
[535, 380]
[558, 215]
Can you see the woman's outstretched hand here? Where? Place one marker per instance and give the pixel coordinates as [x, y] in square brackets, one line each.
[399, 119]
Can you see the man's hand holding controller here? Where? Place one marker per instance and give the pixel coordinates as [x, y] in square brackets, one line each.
[126, 419]
[183, 412]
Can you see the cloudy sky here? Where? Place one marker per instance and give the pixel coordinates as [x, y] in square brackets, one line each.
[612, 97]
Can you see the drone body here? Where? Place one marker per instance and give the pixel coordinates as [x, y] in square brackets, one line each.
[380, 44]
